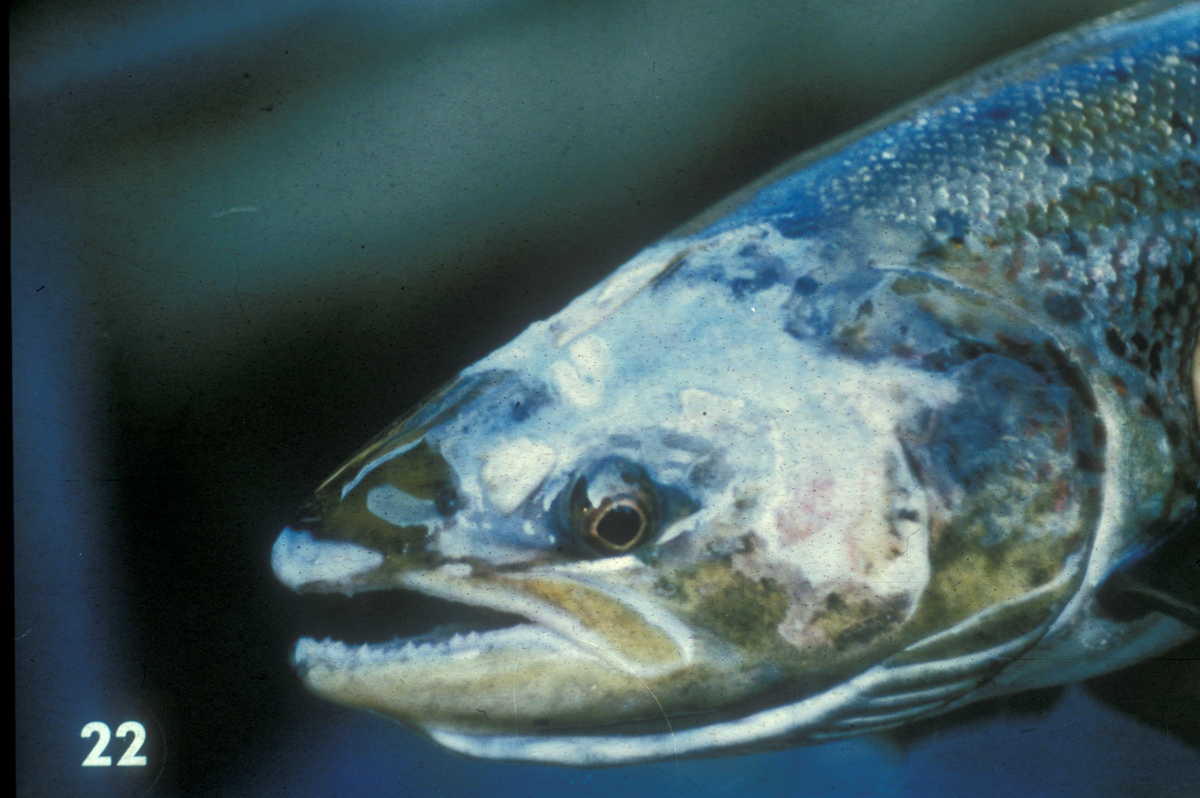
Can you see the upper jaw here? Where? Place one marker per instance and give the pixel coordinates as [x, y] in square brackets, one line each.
[305, 563]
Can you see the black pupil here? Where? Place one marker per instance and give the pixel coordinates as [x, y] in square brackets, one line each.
[620, 526]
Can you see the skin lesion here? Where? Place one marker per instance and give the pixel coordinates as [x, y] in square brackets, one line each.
[742, 610]
[853, 621]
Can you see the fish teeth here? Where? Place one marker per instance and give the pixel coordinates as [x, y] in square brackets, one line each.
[336, 654]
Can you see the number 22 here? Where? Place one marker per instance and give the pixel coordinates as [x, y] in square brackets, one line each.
[129, 759]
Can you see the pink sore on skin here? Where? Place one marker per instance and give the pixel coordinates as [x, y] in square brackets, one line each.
[810, 510]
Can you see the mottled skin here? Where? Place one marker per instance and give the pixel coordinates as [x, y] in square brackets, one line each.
[1074, 200]
[856, 447]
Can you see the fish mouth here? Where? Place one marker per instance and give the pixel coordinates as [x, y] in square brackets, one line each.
[475, 673]
[375, 624]
[361, 631]
[480, 651]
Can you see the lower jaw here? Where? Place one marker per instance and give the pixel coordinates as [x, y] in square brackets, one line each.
[443, 646]
[525, 680]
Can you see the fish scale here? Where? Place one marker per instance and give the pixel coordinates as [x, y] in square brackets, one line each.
[907, 424]
[1075, 195]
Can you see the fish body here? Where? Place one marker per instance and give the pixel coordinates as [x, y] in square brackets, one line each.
[857, 447]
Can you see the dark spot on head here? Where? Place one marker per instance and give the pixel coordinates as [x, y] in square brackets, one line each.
[1151, 407]
[1113, 338]
[447, 502]
[748, 251]
[1099, 432]
[954, 225]
[796, 226]
[908, 515]
[1086, 461]
[711, 472]
[695, 444]
[530, 403]
[806, 286]
[764, 279]
[1156, 360]
[1067, 308]
[1166, 277]
[1057, 158]
[1014, 346]
[1139, 341]
[998, 113]
[866, 309]
[1119, 72]
[939, 361]
[969, 350]
[1179, 123]
[1174, 436]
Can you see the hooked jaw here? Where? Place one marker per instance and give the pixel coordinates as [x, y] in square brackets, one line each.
[553, 667]
[565, 650]
[425, 509]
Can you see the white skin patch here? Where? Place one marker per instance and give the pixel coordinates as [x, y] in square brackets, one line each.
[513, 470]
[575, 388]
[298, 559]
[592, 356]
[834, 524]
[831, 521]
[703, 412]
[582, 380]
[833, 513]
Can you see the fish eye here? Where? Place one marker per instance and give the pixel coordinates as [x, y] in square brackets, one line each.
[617, 525]
[612, 506]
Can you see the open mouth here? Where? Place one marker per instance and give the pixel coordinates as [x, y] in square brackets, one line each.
[352, 620]
[463, 647]
[404, 626]
[385, 616]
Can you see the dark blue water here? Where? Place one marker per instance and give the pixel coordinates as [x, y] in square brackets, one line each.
[246, 238]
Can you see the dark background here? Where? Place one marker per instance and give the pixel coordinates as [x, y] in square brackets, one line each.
[245, 237]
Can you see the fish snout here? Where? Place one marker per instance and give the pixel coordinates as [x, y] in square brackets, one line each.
[302, 561]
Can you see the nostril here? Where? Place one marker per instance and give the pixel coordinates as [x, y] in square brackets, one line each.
[447, 501]
[308, 517]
